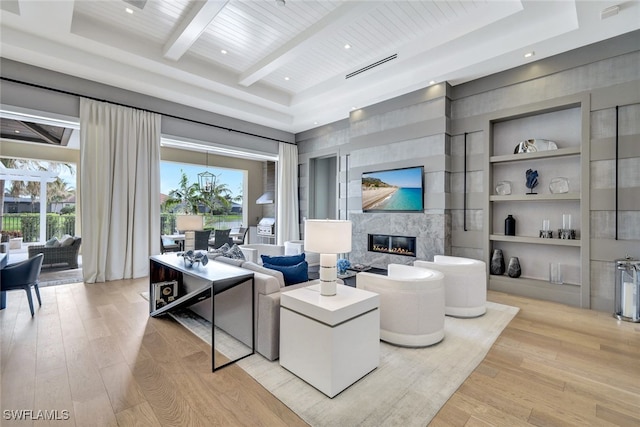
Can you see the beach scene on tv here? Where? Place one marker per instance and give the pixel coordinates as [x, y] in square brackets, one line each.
[392, 190]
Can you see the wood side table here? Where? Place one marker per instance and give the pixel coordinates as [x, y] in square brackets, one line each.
[329, 341]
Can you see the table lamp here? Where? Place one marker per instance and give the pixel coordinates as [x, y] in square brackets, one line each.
[189, 222]
[328, 237]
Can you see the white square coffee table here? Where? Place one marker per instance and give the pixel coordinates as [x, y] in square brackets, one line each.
[329, 341]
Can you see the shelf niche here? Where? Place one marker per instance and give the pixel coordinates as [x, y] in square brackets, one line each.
[564, 121]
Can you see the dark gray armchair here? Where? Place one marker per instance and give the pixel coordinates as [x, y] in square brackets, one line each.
[60, 255]
[21, 275]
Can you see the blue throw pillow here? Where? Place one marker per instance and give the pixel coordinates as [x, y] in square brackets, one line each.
[292, 273]
[285, 260]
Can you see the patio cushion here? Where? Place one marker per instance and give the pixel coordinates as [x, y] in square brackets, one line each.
[66, 241]
[52, 243]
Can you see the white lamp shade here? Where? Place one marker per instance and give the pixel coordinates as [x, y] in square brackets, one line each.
[189, 222]
[327, 236]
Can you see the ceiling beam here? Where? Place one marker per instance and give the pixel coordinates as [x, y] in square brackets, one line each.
[42, 133]
[339, 17]
[190, 28]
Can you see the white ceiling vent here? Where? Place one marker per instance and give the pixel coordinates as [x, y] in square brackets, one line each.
[609, 12]
[370, 66]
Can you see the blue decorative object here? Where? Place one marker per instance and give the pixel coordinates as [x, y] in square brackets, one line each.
[342, 265]
[532, 180]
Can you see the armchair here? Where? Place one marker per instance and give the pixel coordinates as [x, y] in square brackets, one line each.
[411, 304]
[465, 282]
[21, 275]
[54, 256]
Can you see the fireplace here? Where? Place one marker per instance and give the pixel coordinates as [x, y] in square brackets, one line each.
[396, 245]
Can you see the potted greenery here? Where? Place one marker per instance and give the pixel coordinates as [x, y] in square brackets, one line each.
[14, 238]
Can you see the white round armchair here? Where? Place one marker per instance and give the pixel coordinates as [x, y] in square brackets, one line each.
[465, 282]
[411, 304]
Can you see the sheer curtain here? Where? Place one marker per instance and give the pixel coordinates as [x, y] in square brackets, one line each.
[119, 189]
[288, 226]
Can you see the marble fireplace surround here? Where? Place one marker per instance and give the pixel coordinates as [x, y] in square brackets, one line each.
[431, 230]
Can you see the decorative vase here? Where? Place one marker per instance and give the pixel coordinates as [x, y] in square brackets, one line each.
[510, 226]
[342, 265]
[497, 263]
[514, 269]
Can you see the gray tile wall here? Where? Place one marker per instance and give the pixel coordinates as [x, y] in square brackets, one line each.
[386, 136]
[362, 146]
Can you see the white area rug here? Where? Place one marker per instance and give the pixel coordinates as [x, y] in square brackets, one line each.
[407, 389]
[409, 386]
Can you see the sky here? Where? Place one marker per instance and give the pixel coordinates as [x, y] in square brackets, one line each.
[407, 178]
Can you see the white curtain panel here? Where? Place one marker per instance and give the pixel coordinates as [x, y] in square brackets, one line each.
[288, 225]
[119, 190]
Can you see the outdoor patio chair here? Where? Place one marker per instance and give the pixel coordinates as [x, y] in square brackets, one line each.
[168, 247]
[201, 240]
[220, 238]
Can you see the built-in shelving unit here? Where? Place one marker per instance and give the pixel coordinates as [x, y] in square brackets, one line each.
[566, 122]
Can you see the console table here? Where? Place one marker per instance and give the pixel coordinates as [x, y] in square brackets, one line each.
[329, 341]
[217, 278]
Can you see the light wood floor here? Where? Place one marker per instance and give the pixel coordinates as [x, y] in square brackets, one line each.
[93, 351]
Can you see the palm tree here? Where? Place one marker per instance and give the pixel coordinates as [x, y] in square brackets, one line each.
[31, 188]
[58, 191]
[218, 199]
[187, 197]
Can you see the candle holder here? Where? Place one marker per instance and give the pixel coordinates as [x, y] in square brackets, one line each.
[566, 233]
[546, 233]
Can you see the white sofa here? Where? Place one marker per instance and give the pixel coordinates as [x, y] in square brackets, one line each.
[411, 304]
[253, 251]
[465, 283]
[232, 306]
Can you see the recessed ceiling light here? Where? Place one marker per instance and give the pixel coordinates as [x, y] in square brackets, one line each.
[529, 54]
[16, 131]
[347, 46]
[315, 123]
[129, 10]
[222, 51]
[354, 108]
[287, 78]
[432, 82]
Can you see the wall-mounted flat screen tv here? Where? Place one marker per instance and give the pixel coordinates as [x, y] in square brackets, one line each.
[393, 190]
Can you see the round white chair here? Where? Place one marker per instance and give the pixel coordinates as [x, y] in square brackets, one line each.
[465, 282]
[411, 304]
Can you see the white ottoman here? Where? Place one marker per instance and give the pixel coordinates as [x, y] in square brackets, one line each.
[465, 282]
